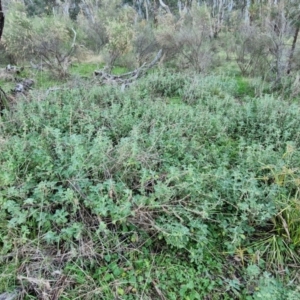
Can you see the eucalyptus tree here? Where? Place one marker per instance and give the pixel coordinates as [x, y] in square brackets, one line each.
[3, 98]
[294, 14]
[1, 19]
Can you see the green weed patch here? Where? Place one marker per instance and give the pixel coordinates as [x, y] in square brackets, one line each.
[124, 194]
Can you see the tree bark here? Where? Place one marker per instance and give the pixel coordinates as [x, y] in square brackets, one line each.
[247, 14]
[164, 6]
[1, 19]
[293, 49]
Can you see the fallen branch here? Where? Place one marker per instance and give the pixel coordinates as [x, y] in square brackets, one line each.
[127, 78]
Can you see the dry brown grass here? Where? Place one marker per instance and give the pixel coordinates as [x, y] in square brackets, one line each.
[90, 57]
[6, 76]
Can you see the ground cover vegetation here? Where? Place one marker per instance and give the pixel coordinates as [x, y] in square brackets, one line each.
[182, 185]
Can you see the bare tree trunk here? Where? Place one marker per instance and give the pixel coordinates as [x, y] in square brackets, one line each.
[147, 12]
[3, 97]
[179, 4]
[87, 11]
[139, 4]
[164, 6]
[247, 14]
[293, 49]
[1, 19]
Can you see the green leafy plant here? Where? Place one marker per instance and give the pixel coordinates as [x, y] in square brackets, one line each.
[143, 197]
[48, 42]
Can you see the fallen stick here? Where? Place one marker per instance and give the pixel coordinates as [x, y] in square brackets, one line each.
[127, 78]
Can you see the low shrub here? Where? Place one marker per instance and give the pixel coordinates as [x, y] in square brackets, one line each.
[47, 42]
[145, 198]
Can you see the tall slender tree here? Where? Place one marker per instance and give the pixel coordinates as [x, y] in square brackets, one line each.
[295, 16]
[1, 19]
[3, 98]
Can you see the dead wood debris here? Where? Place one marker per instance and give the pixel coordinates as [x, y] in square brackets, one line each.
[13, 69]
[126, 79]
[23, 86]
[8, 73]
[123, 80]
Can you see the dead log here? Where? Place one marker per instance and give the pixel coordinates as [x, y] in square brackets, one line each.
[127, 78]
